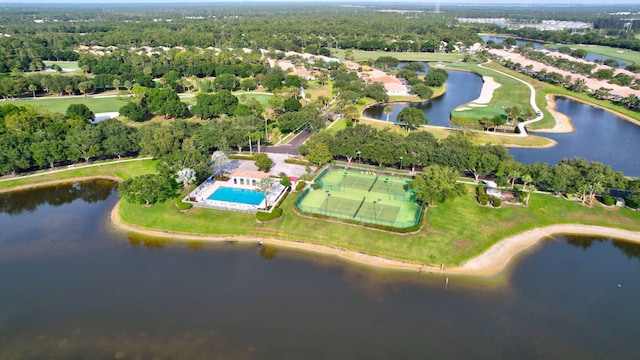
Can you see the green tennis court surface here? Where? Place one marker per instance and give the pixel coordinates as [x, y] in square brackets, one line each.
[351, 195]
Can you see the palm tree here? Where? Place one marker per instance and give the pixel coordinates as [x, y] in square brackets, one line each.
[388, 110]
[33, 88]
[116, 84]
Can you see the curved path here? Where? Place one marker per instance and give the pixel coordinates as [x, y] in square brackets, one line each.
[532, 101]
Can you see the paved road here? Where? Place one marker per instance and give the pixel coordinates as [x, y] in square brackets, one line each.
[291, 147]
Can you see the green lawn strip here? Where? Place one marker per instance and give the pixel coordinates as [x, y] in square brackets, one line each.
[455, 232]
[123, 170]
[611, 52]
[63, 64]
[262, 98]
[361, 55]
[339, 125]
[60, 104]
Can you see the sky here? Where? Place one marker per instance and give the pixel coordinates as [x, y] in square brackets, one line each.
[518, 2]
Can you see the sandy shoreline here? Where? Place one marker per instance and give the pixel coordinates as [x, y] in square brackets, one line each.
[563, 122]
[490, 263]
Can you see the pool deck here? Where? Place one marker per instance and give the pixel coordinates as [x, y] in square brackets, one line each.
[202, 193]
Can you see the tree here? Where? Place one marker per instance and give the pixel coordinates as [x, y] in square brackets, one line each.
[186, 176]
[146, 189]
[33, 88]
[135, 111]
[292, 104]
[226, 82]
[436, 184]
[411, 118]
[80, 112]
[435, 77]
[423, 91]
[319, 154]
[265, 186]
[262, 162]
[84, 142]
[119, 139]
[219, 158]
[388, 110]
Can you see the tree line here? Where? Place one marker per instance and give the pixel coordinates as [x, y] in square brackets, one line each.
[418, 150]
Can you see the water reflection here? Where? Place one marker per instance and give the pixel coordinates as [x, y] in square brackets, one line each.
[268, 252]
[599, 136]
[108, 296]
[15, 203]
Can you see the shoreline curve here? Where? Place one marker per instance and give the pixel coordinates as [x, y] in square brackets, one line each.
[488, 264]
[493, 261]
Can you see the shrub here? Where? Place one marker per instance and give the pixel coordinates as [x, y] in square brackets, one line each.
[266, 216]
[608, 200]
[483, 199]
[296, 161]
[496, 202]
[316, 186]
[633, 201]
[521, 196]
[479, 190]
[182, 205]
[301, 185]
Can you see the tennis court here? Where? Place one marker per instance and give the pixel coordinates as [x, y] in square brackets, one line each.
[368, 198]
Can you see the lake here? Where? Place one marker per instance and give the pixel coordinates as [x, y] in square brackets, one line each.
[600, 136]
[73, 287]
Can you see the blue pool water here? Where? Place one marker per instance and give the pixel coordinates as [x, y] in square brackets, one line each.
[243, 196]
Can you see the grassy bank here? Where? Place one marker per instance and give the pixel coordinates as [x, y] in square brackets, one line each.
[122, 170]
[510, 93]
[453, 232]
[478, 138]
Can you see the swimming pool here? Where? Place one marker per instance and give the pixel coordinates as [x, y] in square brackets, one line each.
[242, 196]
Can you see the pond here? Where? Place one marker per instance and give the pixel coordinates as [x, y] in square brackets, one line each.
[73, 287]
[462, 87]
[600, 136]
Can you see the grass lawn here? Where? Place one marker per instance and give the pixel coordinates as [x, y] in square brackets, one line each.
[453, 233]
[339, 125]
[611, 52]
[510, 93]
[72, 65]
[261, 97]
[123, 170]
[60, 103]
[360, 55]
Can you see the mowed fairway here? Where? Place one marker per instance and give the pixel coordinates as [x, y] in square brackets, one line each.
[61, 103]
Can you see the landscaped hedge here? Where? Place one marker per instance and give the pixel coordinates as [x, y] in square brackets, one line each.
[608, 200]
[296, 161]
[316, 186]
[300, 185]
[182, 205]
[266, 216]
[484, 199]
[241, 157]
[496, 202]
